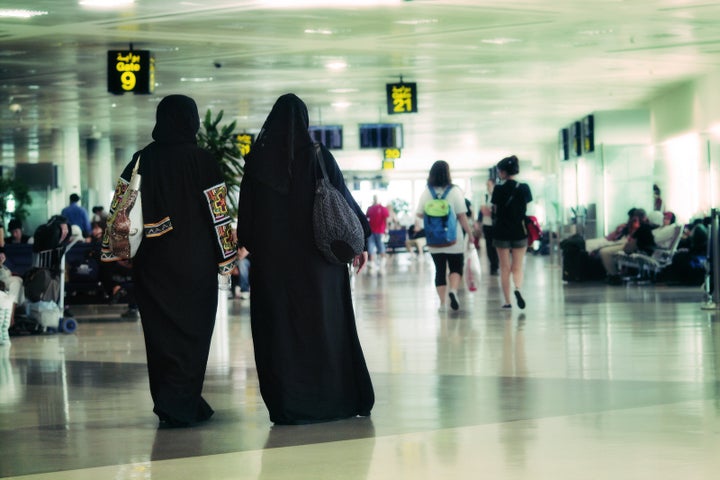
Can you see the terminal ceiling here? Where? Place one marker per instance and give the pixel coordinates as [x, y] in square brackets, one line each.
[492, 76]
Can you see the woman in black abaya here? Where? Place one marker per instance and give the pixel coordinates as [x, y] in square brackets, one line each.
[188, 241]
[309, 361]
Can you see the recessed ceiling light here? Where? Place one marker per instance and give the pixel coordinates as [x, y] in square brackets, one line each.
[318, 31]
[17, 13]
[500, 41]
[196, 79]
[341, 104]
[339, 65]
[421, 21]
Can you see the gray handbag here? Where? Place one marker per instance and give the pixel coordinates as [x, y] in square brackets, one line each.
[338, 233]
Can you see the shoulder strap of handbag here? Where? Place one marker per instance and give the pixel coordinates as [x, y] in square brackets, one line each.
[512, 195]
[320, 160]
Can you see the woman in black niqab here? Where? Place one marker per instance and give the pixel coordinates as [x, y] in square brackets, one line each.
[310, 364]
[188, 241]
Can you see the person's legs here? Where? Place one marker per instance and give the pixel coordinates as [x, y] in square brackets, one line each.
[607, 255]
[440, 262]
[381, 249]
[244, 268]
[517, 264]
[504, 262]
[372, 249]
[516, 267]
[491, 251]
[455, 265]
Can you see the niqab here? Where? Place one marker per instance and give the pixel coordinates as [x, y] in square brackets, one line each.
[283, 137]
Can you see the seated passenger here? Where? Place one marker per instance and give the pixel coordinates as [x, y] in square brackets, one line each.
[616, 237]
[639, 239]
[16, 233]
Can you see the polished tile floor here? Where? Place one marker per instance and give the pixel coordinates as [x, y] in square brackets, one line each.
[589, 381]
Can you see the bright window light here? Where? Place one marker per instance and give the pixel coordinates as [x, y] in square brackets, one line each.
[106, 4]
[11, 13]
[327, 3]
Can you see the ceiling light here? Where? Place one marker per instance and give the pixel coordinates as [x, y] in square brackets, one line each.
[13, 13]
[341, 104]
[500, 41]
[318, 31]
[109, 4]
[339, 65]
[196, 79]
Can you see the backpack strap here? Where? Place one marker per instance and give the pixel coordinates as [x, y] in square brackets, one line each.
[441, 197]
[510, 199]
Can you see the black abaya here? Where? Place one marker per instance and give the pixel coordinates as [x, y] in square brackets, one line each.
[309, 360]
[188, 241]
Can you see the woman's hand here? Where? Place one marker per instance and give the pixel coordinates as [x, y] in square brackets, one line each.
[359, 262]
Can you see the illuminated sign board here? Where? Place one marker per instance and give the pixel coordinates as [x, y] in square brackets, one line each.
[329, 135]
[131, 71]
[575, 140]
[401, 98]
[588, 134]
[381, 135]
[244, 141]
[391, 153]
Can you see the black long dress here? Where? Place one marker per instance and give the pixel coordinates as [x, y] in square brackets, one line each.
[188, 241]
[309, 360]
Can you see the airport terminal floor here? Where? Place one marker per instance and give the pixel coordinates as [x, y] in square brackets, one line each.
[589, 381]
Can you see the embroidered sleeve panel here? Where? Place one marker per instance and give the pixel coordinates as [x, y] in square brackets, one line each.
[218, 209]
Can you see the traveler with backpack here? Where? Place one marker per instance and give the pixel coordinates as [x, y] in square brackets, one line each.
[442, 210]
[510, 200]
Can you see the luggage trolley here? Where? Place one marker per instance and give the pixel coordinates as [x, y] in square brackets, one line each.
[48, 313]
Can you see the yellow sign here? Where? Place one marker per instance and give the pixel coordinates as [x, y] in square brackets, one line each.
[244, 141]
[391, 153]
[131, 71]
[388, 165]
[401, 98]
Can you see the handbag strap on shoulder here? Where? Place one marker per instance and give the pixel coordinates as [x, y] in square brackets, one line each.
[320, 159]
[137, 164]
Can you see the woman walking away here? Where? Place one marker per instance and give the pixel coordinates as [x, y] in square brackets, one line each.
[308, 357]
[510, 200]
[443, 233]
[188, 241]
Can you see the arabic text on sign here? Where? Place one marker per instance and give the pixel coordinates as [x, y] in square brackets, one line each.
[402, 98]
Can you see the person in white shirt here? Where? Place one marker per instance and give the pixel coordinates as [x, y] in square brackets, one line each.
[449, 257]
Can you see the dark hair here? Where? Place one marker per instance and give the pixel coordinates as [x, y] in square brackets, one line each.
[14, 224]
[74, 197]
[509, 165]
[439, 175]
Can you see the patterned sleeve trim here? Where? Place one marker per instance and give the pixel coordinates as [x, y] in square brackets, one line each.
[158, 229]
[217, 205]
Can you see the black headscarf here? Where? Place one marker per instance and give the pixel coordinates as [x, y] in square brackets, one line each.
[283, 136]
[177, 120]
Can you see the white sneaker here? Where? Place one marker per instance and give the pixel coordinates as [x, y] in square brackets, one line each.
[442, 308]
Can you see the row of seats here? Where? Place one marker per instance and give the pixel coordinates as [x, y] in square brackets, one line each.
[83, 283]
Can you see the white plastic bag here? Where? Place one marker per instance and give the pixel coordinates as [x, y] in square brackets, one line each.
[472, 268]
